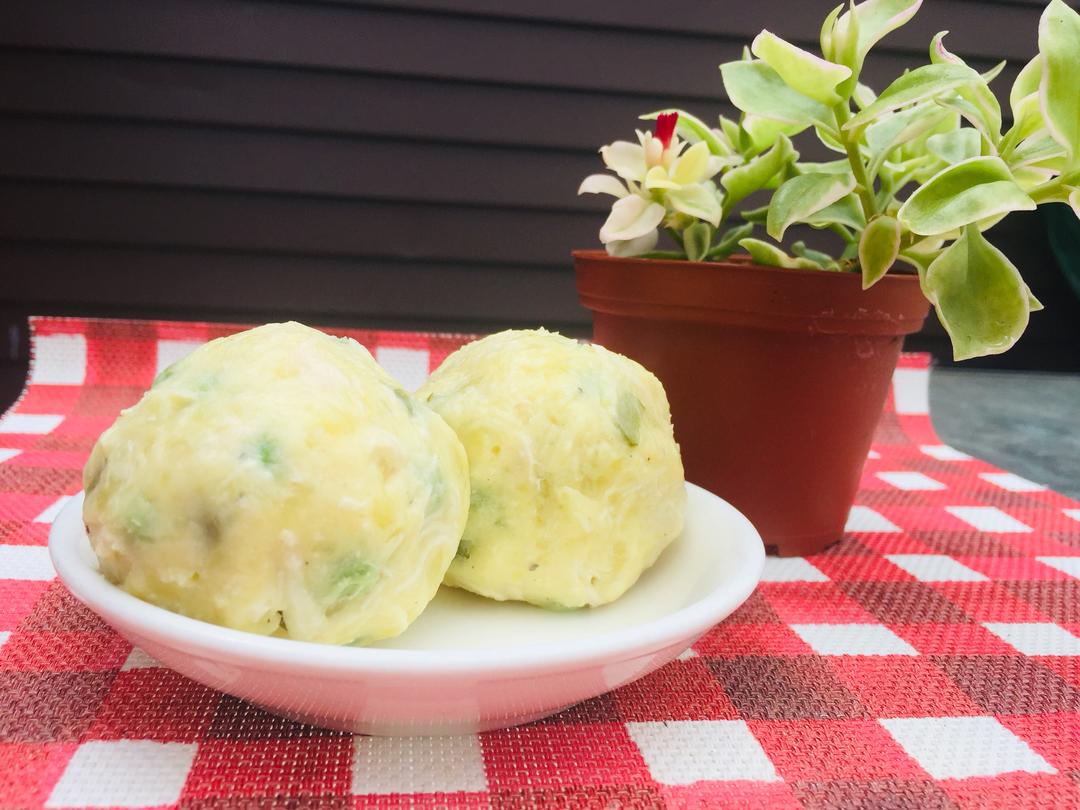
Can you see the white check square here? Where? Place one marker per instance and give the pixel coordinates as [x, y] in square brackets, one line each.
[1073, 513]
[124, 773]
[853, 639]
[385, 765]
[173, 351]
[408, 366]
[50, 513]
[681, 752]
[1011, 482]
[962, 747]
[6, 454]
[791, 569]
[1036, 638]
[988, 519]
[911, 390]
[4, 636]
[58, 360]
[910, 481]
[1067, 565]
[26, 562]
[865, 519]
[942, 452]
[137, 659]
[37, 424]
[935, 568]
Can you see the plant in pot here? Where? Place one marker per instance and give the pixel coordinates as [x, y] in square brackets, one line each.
[778, 361]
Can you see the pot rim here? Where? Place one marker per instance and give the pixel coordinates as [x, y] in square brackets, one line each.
[739, 292]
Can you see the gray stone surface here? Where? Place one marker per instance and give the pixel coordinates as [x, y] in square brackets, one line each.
[1023, 421]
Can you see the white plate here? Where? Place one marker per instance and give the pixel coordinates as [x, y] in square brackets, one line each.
[467, 664]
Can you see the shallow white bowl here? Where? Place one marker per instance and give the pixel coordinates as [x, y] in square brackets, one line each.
[467, 664]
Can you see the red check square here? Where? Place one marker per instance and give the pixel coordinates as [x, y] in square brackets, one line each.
[683, 690]
[63, 652]
[312, 766]
[822, 750]
[154, 704]
[733, 640]
[952, 639]
[883, 685]
[813, 603]
[552, 755]
[29, 771]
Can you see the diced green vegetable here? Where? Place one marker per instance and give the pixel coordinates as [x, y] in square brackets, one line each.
[628, 411]
[140, 518]
[349, 578]
[267, 451]
[406, 400]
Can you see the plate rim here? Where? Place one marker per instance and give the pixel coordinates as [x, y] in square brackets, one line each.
[117, 607]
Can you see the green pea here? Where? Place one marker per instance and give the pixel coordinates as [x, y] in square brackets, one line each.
[628, 411]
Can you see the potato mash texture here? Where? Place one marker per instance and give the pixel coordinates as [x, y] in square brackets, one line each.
[577, 482]
[279, 481]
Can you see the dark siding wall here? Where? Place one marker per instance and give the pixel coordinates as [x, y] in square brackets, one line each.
[403, 163]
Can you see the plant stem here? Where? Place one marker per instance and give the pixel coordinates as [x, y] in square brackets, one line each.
[865, 188]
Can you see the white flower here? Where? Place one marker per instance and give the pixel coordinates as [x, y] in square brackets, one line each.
[659, 176]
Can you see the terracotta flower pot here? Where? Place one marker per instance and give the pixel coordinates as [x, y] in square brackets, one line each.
[776, 377]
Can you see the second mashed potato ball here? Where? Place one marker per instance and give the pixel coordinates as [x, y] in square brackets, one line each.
[577, 482]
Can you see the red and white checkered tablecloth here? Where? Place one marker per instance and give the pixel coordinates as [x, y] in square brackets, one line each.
[931, 659]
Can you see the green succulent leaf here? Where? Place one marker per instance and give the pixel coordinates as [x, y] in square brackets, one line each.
[863, 96]
[1059, 44]
[841, 166]
[978, 94]
[981, 299]
[845, 211]
[757, 89]
[697, 239]
[899, 128]
[758, 133]
[973, 116]
[870, 22]
[769, 254]
[879, 247]
[826, 37]
[926, 82]
[742, 181]
[802, 196]
[958, 195]
[692, 129]
[801, 70]
[955, 146]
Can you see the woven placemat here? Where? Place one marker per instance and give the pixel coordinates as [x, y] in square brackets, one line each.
[931, 659]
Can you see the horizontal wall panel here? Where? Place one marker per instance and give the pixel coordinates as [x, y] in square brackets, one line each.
[297, 164]
[91, 278]
[186, 219]
[181, 91]
[386, 41]
[1008, 30]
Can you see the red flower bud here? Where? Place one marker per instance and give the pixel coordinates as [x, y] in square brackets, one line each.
[665, 127]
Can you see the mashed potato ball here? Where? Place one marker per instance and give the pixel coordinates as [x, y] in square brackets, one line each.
[577, 483]
[279, 481]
